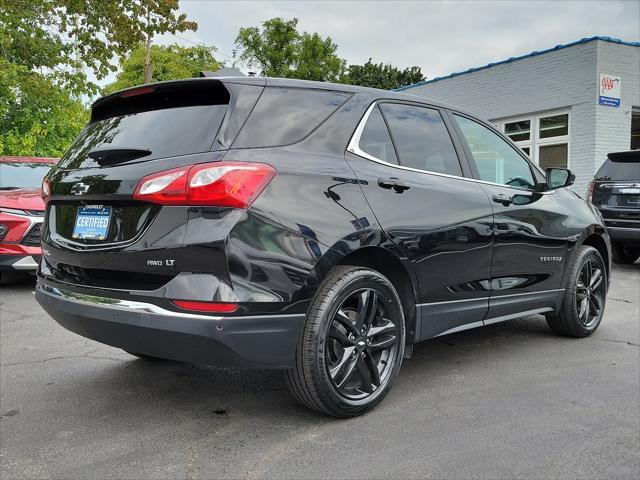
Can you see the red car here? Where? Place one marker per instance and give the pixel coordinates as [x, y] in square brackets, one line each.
[21, 213]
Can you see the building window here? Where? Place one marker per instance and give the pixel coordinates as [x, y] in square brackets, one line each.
[635, 128]
[518, 131]
[555, 126]
[544, 137]
[553, 156]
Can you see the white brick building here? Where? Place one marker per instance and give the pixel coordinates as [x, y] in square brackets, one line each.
[549, 101]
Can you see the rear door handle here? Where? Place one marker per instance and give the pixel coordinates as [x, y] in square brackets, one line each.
[503, 199]
[394, 184]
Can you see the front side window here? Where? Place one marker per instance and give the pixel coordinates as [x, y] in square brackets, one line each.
[496, 160]
[375, 139]
[421, 138]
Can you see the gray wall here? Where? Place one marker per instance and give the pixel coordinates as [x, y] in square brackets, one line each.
[564, 78]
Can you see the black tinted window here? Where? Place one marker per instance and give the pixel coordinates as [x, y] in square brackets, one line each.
[629, 169]
[375, 139]
[421, 138]
[286, 115]
[167, 133]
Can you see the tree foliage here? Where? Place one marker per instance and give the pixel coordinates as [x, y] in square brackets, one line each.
[169, 63]
[67, 38]
[48, 48]
[379, 75]
[279, 50]
[37, 117]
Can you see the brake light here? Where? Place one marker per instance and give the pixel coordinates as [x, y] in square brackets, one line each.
[223, 184]
[217, 307]
[590, 191]
[134, 92]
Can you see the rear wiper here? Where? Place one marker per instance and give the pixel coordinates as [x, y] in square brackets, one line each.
[9, 188]
[107, 156]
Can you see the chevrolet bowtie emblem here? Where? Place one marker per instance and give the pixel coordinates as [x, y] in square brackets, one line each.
[79, 188]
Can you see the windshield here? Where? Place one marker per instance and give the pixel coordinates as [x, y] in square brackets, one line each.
[22, 175]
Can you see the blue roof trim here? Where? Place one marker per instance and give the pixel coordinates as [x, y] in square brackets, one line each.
[513, 59]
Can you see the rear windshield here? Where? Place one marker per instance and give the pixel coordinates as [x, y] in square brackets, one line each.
[284, 116]
[162, 121]
[166, 133]
[628, 169]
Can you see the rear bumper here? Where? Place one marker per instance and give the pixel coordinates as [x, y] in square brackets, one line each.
[628, 236]
[264, 341]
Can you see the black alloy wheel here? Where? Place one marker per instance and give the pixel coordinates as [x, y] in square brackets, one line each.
[362, 344]
[590, 292]
[585, 295]
[352, 345]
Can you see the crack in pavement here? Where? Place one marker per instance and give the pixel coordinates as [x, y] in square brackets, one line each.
[61, 357]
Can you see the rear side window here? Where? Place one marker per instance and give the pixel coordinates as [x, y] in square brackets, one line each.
[375, 139]
[625, 168]
[284, 116]
[421, 138]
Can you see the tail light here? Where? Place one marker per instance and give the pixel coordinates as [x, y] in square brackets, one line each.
[222, 184]
[590, 191]
[211, 307]
[45, 193]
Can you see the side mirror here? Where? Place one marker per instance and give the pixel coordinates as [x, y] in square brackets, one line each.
[559, 177]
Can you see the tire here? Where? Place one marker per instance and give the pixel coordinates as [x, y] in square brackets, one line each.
[579, 315]
[624, 255]
[335, 366]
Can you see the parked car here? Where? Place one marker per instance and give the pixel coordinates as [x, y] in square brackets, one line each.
[21, 213]
[317, 228]
[615, 191]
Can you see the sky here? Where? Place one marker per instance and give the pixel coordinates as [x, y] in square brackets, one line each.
[441, 37]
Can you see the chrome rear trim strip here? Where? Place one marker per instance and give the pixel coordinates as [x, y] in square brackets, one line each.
[139, 307]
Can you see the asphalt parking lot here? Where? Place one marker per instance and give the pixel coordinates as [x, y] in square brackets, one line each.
[509, 400]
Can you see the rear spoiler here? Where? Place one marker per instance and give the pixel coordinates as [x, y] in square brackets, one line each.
[159, 96]
[630, 156]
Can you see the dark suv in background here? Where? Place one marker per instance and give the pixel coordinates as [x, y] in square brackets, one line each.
[615, 191]
[317, 228]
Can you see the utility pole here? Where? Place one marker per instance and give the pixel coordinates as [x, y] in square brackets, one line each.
[148, 69]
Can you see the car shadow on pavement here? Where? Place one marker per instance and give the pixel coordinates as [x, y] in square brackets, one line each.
[135, 388]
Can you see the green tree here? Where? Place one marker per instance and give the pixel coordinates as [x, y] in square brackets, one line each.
[37, 117]
[378, 75]
[169, 63]
[66, 38]
[279, 50]
[47, 49]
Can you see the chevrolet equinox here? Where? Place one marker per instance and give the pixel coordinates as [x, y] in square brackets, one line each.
[316, 228]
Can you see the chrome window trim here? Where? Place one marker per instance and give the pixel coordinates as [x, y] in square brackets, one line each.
[354, 147]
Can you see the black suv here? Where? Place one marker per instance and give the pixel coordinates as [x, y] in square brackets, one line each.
[615, 191]
[317, 228]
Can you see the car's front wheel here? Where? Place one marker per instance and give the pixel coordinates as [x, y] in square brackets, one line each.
[352, 345]
[584, 297]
